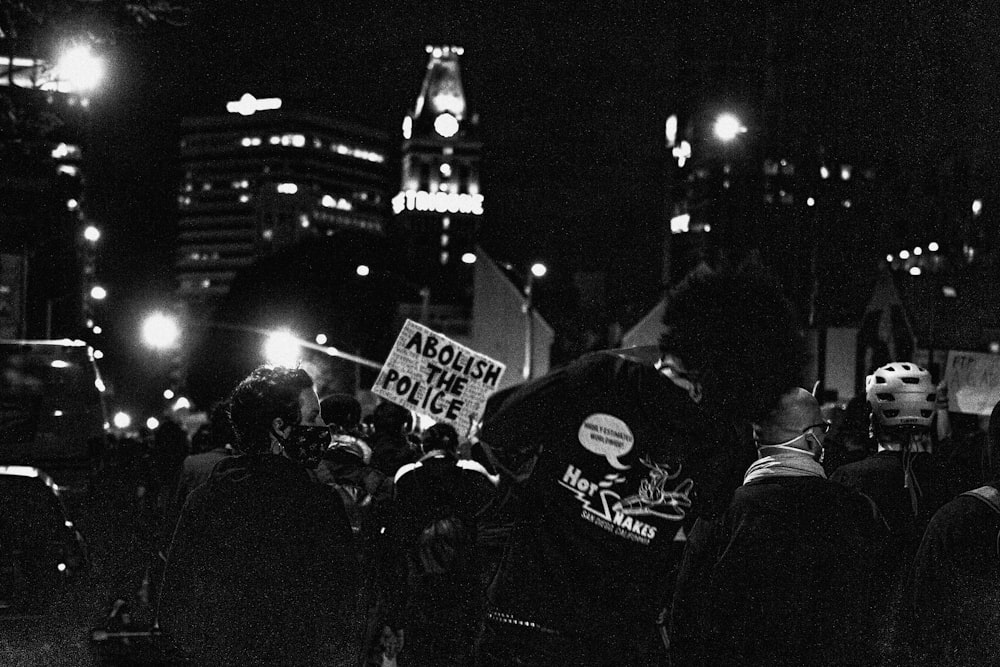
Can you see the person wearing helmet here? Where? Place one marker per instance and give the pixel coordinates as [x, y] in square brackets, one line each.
[902, 477]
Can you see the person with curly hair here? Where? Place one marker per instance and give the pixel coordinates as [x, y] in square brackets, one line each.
[606, 459]
[263, 568]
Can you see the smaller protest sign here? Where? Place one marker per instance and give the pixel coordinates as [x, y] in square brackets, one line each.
[433, 375]
[973, 380]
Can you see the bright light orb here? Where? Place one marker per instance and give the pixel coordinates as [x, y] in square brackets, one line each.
[152, 423]
[727, 127]
[918, 251]
[363, 270]
[321, 339]
[122, 420]
[92, 234]
[933, 246]
[446, 125]
[98, 293]
[160, 331]
[282, 349]
[904, 254]
[469, 258]
[168, 394]
[539, 270]
[80, 69]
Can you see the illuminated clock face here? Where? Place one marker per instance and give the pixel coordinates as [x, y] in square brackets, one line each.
[446, 125]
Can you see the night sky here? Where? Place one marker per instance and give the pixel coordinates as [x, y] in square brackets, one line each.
[572, 102]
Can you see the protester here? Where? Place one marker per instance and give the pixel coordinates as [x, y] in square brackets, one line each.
[392, 448]
[907, 484]
[966, 450]
[612, 453]
[198, 466]
[439, 594]
[955, 601]
[783, 578]
[263, 567]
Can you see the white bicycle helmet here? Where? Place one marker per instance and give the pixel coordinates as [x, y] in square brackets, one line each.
[901, 394]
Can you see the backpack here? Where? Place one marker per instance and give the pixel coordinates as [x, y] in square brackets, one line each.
[991, 497]
[442, 544]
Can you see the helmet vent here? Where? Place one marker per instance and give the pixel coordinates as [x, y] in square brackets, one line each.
[889, 414]
[931, 397]
[885, 397]
[880, 380]
[925, 414]
[911, 380]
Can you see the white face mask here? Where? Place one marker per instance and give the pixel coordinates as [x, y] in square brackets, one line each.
[786, 445]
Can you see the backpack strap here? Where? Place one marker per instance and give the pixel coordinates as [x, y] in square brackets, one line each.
[991, 497]
[988, 495]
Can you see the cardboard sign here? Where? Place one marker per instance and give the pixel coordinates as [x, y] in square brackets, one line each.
[430, 374]
[973, 382]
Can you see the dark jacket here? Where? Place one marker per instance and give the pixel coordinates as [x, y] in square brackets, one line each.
[783, 578]
[953, 591]
[262, 569]
[610, 458]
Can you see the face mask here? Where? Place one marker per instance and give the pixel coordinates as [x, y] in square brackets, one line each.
[305, 444]
[785, 445]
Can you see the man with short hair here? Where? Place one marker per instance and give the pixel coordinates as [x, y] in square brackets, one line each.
[609, 456]
[783, 577]
[262, 568]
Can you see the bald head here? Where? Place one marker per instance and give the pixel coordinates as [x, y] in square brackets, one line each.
[797, 410]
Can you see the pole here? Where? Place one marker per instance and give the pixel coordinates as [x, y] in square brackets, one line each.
[529, 329]
[425, 304]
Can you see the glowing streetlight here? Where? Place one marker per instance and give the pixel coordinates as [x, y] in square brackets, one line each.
[160, 331]
[168, 394]
[122, 420]
[727, 127]
[933, 246]
[92, 234]
[282, 349]
[321, 339]
[363, 270]
[98, 293]
[539, 270]
[152, 423]
[79, 69]
[469, 258]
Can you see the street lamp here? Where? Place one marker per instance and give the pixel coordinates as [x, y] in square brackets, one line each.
[92, 233]
[98, 293]
[282, 349]
[79, 69]
[727, 127]
[537, 270]
[160, 331]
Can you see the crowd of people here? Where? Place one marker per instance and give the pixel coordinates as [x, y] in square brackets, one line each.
[673, 505]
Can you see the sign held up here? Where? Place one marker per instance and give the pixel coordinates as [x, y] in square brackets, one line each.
[973, 382]
[435, 376]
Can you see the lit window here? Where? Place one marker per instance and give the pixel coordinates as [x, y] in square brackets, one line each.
[206, 186]
[445, 170]
[933, 246]
[845, 172]
[244, 199]
[680, 223]
[256, 141]
[67, 169]
[188, 187]
[206, 283]
[915, 271]
[317, 143]
[918, 251]
[268, 234]
[274, 140]
[445, 222]
[904, 254]
[847, 203]
[246, 142]
[444, 240]
[72, 204]
[298, 140]
[444, 257]
[304, 221]
[889, 258]
[977, 207]
[810, 202]
[288, 188]
[824, 172]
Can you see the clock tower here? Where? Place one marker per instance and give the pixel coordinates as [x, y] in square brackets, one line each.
[440, 205]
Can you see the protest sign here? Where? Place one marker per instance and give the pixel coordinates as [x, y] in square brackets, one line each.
[435, 376]
[973, 380]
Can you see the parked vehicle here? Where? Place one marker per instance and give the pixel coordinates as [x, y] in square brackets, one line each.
[41, 549]
[52, 413]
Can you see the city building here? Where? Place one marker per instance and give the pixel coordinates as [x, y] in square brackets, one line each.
[440, 205]
[260, 178]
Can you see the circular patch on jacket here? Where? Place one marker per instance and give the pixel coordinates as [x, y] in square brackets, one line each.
[606, 436]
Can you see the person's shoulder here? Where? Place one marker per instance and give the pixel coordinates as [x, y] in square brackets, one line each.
[405, 470]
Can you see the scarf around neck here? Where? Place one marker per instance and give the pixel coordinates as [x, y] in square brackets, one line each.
[785, 464]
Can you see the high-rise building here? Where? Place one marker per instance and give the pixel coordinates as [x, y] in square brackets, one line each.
[261, 178]
[440, 204]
